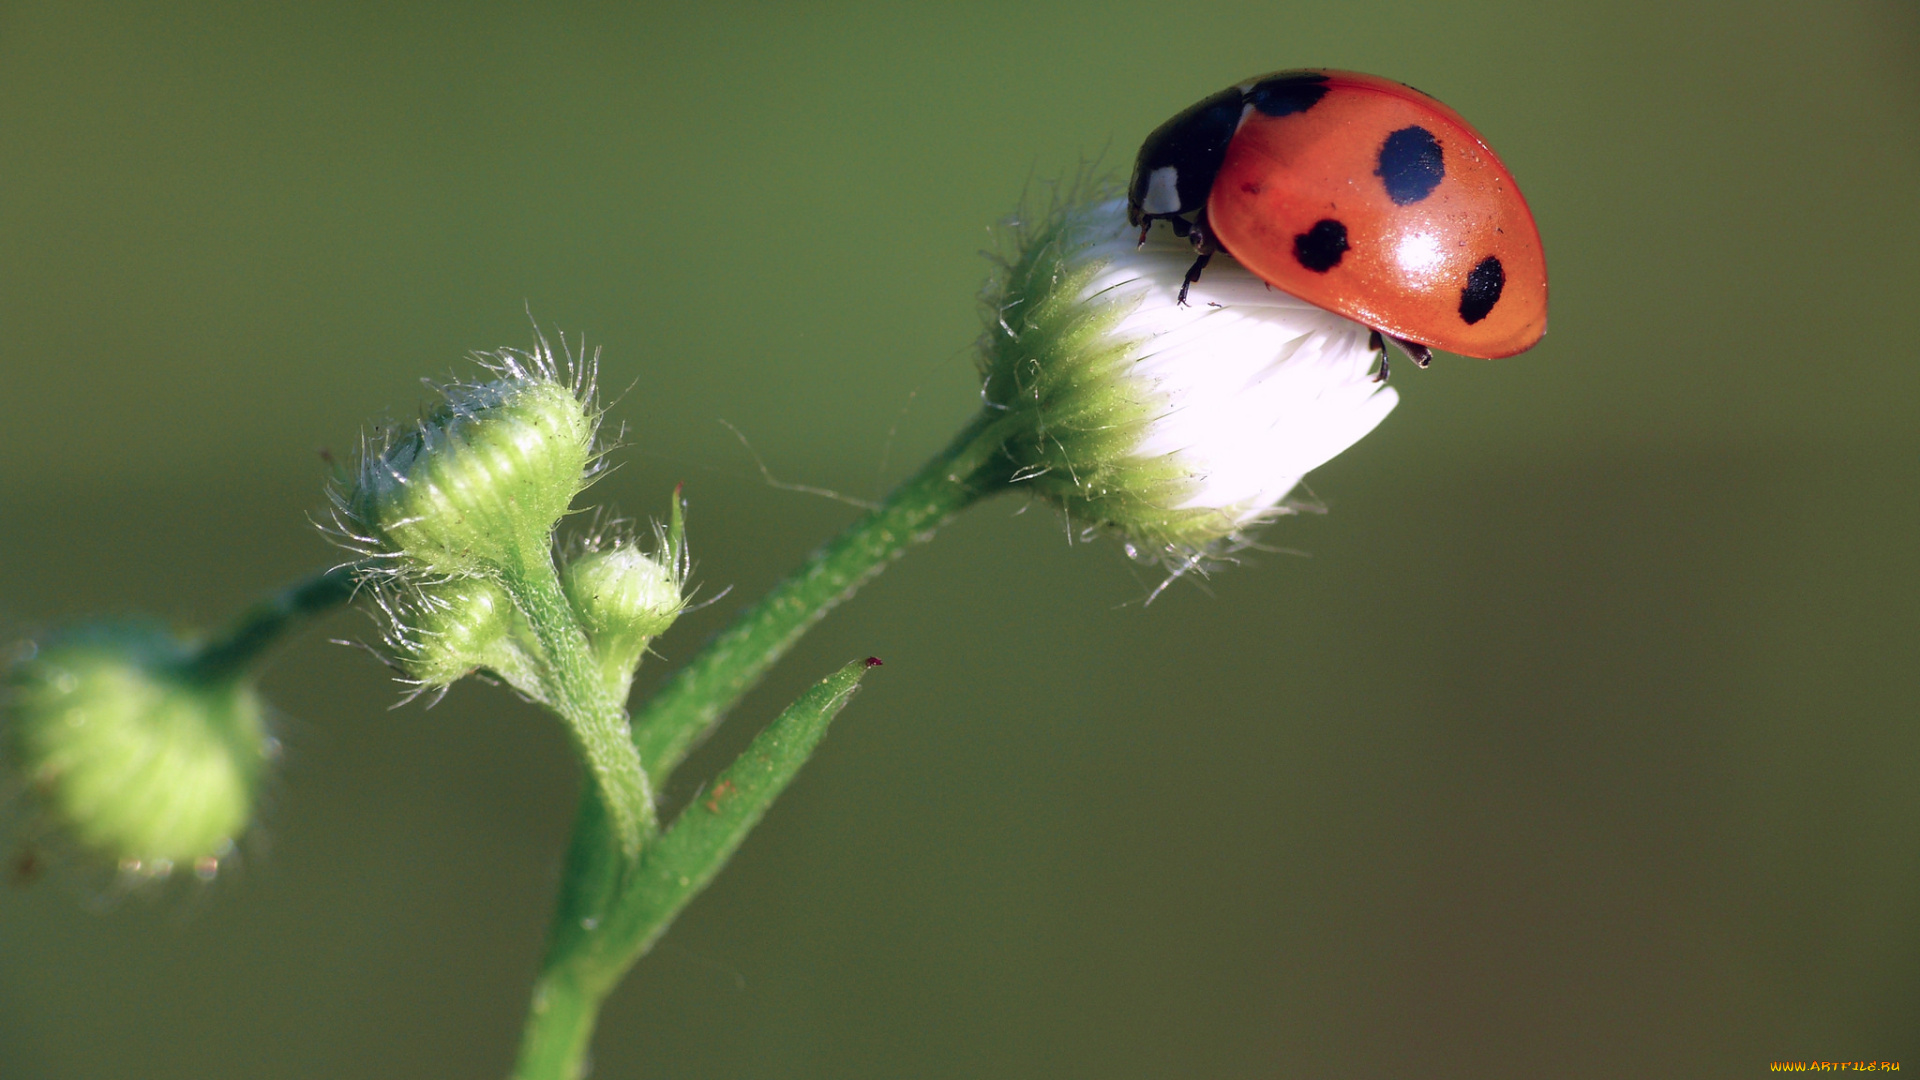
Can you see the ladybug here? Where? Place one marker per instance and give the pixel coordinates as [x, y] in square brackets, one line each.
[1357, 194]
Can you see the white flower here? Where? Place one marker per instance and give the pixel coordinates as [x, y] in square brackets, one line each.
[1179, 425]
[1260, 388]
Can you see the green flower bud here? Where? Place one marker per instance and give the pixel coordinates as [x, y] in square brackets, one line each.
[1179, 426]
[625, 597]
[480, 482]
[440, 633]
[136, 759]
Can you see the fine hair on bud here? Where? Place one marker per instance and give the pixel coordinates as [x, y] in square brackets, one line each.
[479, 481]
[436, 633]
[624, 595]
[1179, 427]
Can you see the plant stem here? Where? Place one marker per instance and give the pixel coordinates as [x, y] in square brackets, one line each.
[229, 653]
[559, 1026]
[585, 958]
[673, 871]
[697, 697]
[596, 720]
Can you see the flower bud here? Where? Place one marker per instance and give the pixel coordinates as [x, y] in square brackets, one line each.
[443, 632]
[136, 759]
[481, 481]
[625, 598]
[1178, 426]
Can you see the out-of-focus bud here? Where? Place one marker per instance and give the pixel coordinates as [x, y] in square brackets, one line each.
[1179, 426]
[135, 757]
[480, 482]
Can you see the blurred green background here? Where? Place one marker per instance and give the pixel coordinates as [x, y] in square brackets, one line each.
[1583, 743]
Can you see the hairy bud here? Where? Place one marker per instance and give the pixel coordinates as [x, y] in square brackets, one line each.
[440, 633]
[625, 597]
[480, 482]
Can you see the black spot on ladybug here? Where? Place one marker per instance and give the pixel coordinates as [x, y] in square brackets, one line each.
[1285, 95]
[1483, 290]
[1410, 165]
[1319, 248]
[1252, 188]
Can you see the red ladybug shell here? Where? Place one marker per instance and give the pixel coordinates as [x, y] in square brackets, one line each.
[1381, 204]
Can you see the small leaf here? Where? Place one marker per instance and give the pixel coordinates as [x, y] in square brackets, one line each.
[679, 865]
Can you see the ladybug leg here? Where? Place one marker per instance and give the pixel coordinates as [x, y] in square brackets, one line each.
[1193, 275]
[1416, 352]
[1204, 245]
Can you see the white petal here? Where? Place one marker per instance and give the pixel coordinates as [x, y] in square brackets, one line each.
[1257, 387]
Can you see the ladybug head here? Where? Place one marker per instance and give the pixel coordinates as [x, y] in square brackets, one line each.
[1178, 162]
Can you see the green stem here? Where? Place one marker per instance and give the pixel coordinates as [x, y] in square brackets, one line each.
[585, 958]
[237, 647]
[568, 993]
[673, 871]
[559, 1026]
[699, 694]
[597, 721]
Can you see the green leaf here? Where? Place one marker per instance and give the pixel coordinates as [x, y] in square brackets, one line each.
[683, 861]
